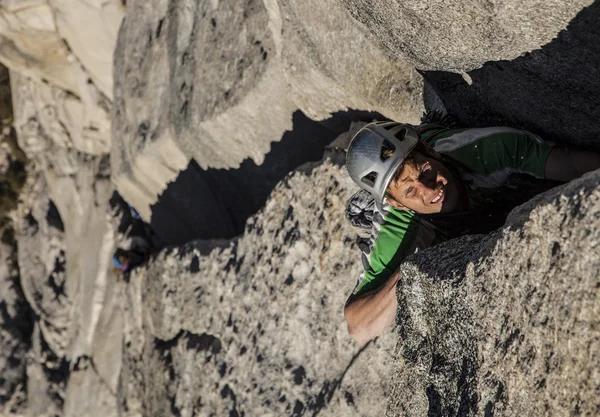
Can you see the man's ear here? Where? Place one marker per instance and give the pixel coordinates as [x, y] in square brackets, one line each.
[394, 203]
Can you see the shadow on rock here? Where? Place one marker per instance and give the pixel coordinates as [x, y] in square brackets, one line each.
[553, 91]
[215, 203]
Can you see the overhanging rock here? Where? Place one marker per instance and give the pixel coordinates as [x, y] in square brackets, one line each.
[462, 35]
[220, 82]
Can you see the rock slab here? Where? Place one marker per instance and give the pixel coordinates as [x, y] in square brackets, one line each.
[508, 323]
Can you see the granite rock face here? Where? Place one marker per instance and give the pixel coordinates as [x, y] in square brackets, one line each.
[552, 91]
[226, 79]
[508, 323]
[504, 324]
[61, 42]
[461, 36]
[254, 326]
[60, 60]
[227, 96]
[90, 30]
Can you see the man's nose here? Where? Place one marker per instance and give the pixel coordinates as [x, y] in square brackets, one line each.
[425, 190]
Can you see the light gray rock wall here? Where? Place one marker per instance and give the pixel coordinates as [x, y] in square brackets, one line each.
[60, 56]
[508, 323]
[61, 42]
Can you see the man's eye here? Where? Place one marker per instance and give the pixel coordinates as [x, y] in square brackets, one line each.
[409, 191]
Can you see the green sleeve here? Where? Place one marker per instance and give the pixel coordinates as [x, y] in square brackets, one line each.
[401, 235]
[500, 149]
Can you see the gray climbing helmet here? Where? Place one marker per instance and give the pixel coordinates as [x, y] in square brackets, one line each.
[365, 160]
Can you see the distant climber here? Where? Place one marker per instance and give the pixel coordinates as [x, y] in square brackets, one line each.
[427, 184]
[126, 260]
[134, 239]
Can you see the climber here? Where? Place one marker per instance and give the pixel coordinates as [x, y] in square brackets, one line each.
[424, 185]
[126, 260]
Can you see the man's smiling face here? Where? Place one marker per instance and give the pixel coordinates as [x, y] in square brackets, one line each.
[426, 187]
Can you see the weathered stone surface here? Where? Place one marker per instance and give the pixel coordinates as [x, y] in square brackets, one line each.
[224, 79]
[66, 241]
[197, 112]
[88, 394]
[31, 45]
[49, 117]
[50, 40]
[553, 91]
[509, 323]
[325, 77]
[460, 35]
[254, 326]
[45, 379]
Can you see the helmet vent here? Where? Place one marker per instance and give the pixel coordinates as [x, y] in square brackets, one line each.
[387, 150]
[370, 179]
[401, 134]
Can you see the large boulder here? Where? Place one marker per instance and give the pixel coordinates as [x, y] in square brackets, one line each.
[508, 323]
[461, 35]
[254, 326]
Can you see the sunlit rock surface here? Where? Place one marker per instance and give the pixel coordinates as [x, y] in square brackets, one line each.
[61, 42]
[255, 326]
[60, 60]
[220, 82]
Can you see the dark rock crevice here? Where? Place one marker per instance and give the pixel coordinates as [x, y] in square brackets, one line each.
[320, 402]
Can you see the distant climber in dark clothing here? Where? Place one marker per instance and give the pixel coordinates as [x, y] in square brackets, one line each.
[425, 185]
[126, 260]
[134, 238]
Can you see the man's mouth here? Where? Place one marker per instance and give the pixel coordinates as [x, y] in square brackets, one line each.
[439, 196]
